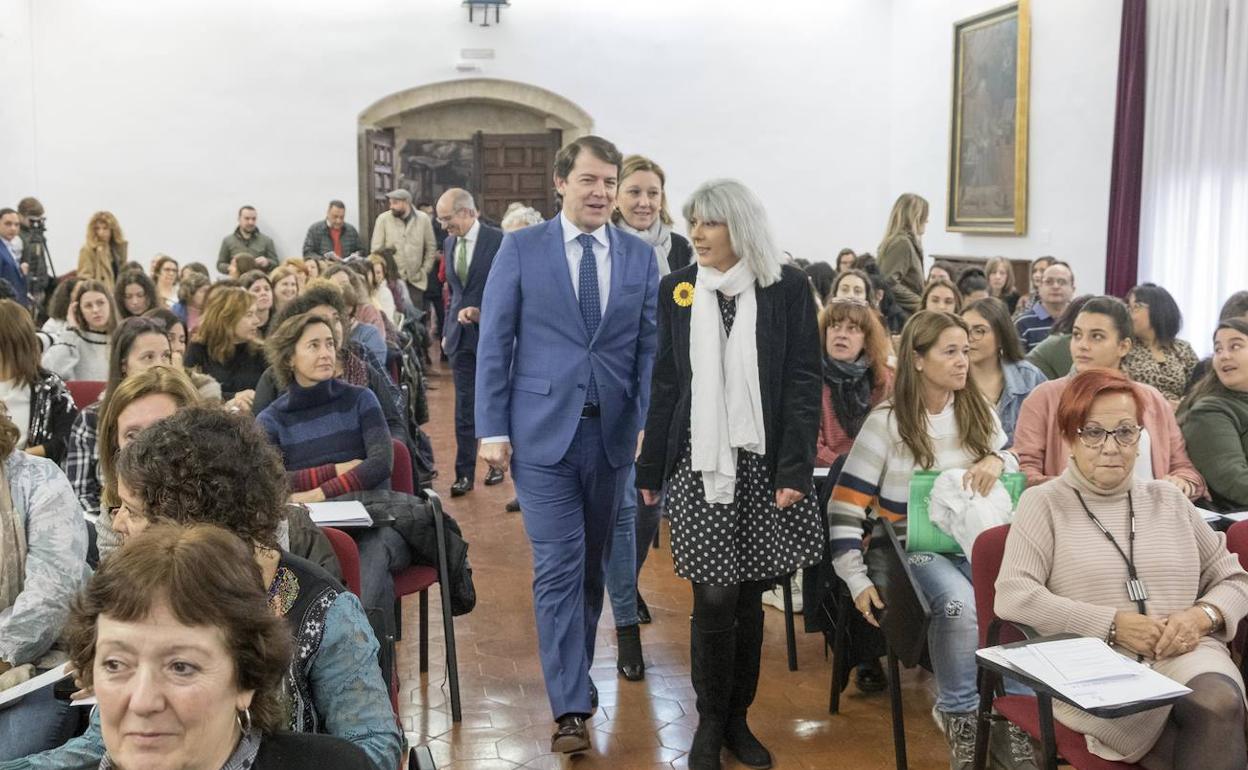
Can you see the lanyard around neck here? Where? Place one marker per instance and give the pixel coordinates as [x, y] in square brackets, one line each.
[1135, 587]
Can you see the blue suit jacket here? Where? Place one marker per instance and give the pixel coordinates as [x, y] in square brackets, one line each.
[469, 294]
[12, 272]
[535, 355]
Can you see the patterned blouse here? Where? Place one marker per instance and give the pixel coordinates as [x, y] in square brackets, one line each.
[1169, 375]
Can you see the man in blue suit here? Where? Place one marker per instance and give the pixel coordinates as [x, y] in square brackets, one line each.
[470, 248]
[563, 374]
[11, 267]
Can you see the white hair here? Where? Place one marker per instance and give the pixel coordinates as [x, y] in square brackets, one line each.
[519, 216]
[732, 203]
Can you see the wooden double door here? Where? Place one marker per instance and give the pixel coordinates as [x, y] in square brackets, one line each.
[498, 169]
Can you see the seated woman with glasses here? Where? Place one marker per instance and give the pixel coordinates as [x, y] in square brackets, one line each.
[1102, 553]
[1002, 375]
[1101, 338]
[1158, 357]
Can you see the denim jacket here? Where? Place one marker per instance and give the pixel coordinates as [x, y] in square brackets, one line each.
[1021, 378]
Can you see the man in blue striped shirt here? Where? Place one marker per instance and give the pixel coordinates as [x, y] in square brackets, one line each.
[1057, 287]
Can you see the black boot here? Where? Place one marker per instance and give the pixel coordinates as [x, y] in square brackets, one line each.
[628, 660]
[713, 656]
[738, 739]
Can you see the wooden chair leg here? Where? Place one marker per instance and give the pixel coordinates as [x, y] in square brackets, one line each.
[839, 645]
[790, 635]
[424, 631]
[899, 725]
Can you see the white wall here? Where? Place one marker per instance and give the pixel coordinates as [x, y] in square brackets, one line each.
[1074, 72]
[173, 114]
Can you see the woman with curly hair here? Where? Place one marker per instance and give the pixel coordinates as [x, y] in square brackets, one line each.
[225, 346]
[204, 465]
[104, 252]
[154, 601]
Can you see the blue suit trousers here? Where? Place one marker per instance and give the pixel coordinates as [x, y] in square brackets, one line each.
[569, 511]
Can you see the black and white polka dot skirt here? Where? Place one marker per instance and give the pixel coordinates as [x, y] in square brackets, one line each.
[749, 539]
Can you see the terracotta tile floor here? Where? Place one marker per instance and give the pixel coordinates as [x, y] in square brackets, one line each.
[506, 717]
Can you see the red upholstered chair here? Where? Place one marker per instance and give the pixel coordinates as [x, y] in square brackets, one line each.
[85, 392]
[348, 557]
[419, 578]
[1022, 710]
[1237, 543]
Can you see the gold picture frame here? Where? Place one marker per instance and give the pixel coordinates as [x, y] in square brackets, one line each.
[988, 138]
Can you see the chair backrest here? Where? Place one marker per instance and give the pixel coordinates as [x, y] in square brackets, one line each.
[401, 471]
[986, 559]
[348, 557]
[1237, 541]
[85, 392]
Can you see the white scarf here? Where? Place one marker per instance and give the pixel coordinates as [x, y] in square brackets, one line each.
[657, 235]
[727, 410]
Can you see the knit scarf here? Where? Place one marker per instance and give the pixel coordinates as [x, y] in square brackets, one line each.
[12, 544]
[657, 235]
[850, 383]
[727, 411]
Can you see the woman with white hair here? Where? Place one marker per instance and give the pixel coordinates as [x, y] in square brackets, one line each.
[739, 329]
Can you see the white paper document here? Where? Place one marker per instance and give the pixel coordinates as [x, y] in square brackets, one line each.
[350, 513]
[46, 679]
[1236, 515]
[1087, 671]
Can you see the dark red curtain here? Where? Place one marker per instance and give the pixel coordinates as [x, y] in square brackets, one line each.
[1126, 179]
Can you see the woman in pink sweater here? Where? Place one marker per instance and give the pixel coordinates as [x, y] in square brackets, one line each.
[1100, 339]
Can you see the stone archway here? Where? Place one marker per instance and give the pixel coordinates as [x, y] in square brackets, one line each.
[439, 134]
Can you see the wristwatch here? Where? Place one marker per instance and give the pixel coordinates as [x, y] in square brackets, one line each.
[1112, 636]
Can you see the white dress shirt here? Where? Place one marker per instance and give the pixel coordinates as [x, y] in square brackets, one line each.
[602, 256]
[573, 252]
[469, 238]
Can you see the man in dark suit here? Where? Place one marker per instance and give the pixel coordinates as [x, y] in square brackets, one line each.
[11, 267]
[470, 248]
[563, 376]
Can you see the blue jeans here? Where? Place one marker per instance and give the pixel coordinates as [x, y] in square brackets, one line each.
[953, 634]
[36, 723]
[383, 552]
[622, 562]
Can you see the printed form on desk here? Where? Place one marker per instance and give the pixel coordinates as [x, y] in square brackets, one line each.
[1087, 671]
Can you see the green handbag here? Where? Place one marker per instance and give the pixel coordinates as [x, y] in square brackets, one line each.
[921, 533]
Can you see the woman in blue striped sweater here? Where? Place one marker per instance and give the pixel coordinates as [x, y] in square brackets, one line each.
[334, 440]
[936, 420]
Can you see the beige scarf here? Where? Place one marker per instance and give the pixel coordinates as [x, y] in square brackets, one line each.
[12, 545]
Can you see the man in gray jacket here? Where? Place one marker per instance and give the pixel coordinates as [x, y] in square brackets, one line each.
[409, 233]
[247, 239]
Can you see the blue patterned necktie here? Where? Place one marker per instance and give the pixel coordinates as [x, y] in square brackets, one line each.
[587, 294]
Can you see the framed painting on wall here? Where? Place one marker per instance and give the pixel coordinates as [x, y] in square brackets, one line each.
[988, 144]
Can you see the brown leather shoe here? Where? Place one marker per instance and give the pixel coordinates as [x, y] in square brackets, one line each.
[571, 737]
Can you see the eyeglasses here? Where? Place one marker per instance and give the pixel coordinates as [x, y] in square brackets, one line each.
[1093, 436]
[1134, 306]
[978, 332]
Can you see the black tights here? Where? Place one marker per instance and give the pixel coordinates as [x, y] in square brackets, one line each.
[1205, 730]
[715, 607]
